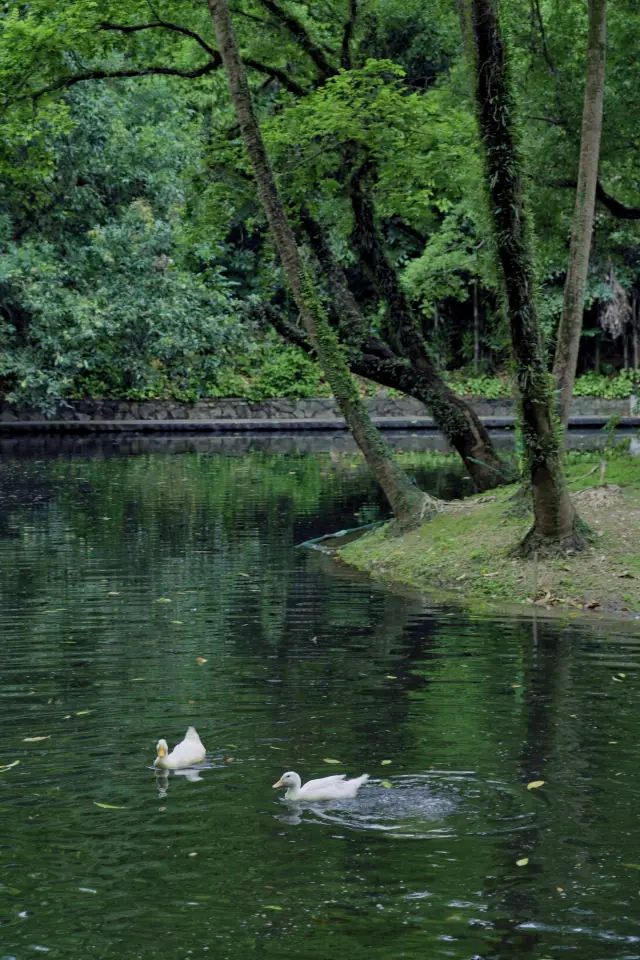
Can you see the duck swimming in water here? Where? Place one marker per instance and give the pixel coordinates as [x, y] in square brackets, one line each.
[326, 788]
[189, 751]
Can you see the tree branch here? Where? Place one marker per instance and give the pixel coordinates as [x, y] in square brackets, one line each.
[174, 27]
[275, 72]
[345, 55]
[281, 75]
[552, 121]
[65, 82]
[617, 209]
[302, 37]
[543, 37]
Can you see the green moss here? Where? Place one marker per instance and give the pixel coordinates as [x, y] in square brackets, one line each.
[464, 550]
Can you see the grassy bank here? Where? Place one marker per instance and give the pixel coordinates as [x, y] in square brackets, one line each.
[465, 549]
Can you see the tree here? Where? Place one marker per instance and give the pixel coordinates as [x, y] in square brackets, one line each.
[556, 525]
[570, 328]
[407, 502]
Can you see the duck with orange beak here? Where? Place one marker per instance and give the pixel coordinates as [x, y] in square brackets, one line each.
[188, 752]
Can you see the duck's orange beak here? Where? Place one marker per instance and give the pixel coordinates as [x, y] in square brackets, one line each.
[161, 751]
[278, 784]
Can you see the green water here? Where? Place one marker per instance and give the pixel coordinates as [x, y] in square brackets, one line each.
[117, 572]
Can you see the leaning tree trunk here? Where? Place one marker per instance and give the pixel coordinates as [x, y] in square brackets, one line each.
[455, 418]
[407, 502]
[570, 329]
[556, 525]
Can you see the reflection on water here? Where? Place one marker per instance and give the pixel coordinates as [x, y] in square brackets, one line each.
[119, 572]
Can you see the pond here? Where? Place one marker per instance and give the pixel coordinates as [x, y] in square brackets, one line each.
[120, 571]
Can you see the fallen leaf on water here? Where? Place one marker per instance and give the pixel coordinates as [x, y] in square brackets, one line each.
[137, 678]
[107, 806]
[384, 763]
[327, 760]
[623, 675]
[523, 862]
[535, 784]
[228, 759]
[617, 679]
[386, 784]
[245, 575]
[82, 713]
[514, 686]
[113, 593]
[271, 906]
[631, 866]
[35, 739]
[560, 889]
[391, 677]
[178, 623]
[613, 741]
[9, 765]
[193, 854]
[163, 600]
[201, 660]
[68, 717]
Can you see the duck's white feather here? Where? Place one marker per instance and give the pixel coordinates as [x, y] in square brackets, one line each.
[336, 787]
[189, 751]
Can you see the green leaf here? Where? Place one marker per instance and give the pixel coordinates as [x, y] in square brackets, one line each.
[107, 806]
[385, 763]
[535, 784]
[327, 760]
[271, 906]
[82, 713]
[386, 784]
[9, 765]
[523, 862]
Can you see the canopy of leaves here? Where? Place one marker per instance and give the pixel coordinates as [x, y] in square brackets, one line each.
[129, 226]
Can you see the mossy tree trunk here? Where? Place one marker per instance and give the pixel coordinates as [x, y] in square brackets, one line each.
[556, 525]
[407, 502]
[570, 328]
[455, 419]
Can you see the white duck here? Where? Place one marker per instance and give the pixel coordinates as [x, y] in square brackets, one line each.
[327, 788]
[189, 751]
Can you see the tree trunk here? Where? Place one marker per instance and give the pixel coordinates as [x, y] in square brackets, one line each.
[635, 332]
[570, 328]
[407, 502]
[476, 330]
[453, 416]
[556, 526]
[455, 419]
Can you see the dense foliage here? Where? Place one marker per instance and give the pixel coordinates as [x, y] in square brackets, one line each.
[132, 246]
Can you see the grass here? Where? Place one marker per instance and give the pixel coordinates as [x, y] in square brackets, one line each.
[464, 550]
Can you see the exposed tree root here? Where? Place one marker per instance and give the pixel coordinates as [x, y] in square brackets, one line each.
[426, 510]
[549, 547]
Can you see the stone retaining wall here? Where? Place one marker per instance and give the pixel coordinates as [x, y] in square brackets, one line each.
[320, 408]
